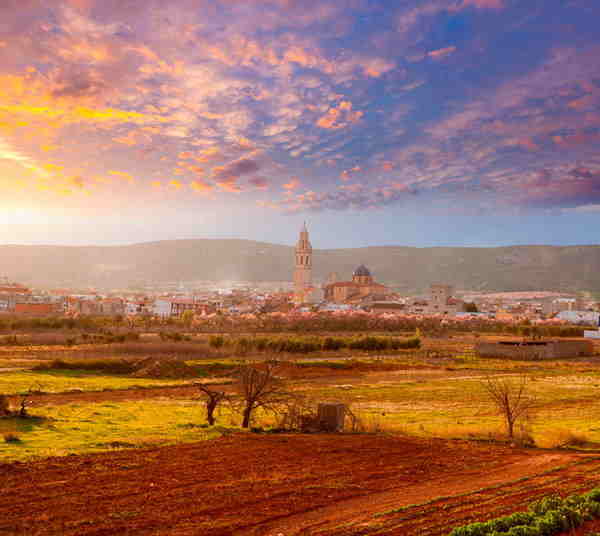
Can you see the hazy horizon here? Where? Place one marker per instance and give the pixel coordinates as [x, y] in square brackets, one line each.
[291, 243]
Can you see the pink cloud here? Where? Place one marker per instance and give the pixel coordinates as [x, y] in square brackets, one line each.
[484, 4]
[259, 183]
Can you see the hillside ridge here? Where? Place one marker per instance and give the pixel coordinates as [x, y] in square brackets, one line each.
[407, 268]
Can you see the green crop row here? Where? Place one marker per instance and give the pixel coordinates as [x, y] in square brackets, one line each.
[546, 517]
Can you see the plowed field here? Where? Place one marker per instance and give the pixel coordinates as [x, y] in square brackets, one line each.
[250, 484]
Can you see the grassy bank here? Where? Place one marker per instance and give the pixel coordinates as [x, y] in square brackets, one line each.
[79, 428]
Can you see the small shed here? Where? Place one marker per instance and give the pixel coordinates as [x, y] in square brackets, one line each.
[331, 417]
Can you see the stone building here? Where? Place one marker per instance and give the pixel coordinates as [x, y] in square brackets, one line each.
[303, 288]
[361, 290]
[442, 302]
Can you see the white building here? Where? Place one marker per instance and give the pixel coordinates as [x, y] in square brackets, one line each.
[579, 317]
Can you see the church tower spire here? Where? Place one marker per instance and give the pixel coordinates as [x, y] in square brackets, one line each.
[303, 270]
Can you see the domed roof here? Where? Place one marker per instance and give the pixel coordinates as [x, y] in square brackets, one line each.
[362, 270]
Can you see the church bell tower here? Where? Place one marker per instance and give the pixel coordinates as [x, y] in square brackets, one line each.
[303, 271]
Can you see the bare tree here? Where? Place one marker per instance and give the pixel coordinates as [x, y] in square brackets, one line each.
[212, 399]
[511, 399]
[259, 387]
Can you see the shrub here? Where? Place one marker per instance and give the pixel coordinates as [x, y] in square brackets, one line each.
[333, 344]
[216, 341]
[11, 438]
[567, 438]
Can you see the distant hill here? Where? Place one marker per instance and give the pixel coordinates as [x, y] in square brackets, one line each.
[406, 268]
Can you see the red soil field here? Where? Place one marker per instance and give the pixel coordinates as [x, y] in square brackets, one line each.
[261, 484]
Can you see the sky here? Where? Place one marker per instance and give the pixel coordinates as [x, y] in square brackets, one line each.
[405, 122]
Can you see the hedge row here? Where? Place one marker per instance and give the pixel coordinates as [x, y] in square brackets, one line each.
[304, 345]
[54, 339]
[546, 517]
[288, 323]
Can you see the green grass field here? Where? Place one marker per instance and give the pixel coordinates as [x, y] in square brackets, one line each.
[460, 407]
[58, 381]
[79, 428]
[424, 396]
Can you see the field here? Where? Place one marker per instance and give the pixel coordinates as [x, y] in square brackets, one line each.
[105, 451]
[246, 484]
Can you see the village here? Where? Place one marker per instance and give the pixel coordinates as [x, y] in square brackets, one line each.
[359, 292]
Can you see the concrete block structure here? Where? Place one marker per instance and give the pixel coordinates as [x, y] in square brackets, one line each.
[553, 349]
[331, 417]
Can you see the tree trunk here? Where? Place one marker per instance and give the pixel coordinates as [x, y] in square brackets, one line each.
[247, 413]
[210, 409]
[511, 426]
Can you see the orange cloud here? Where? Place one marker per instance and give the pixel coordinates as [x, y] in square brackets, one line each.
[208, 155]
[175, 184]
[339, 117]
[441, 53]
[194, 169]
[83, 51]
[201, 187]
[133, 137]
[584, 102]
[32, 101]
[294, 184]
[229, 185]
[375, 67]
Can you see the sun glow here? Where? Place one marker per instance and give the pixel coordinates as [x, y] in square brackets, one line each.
[23, 216]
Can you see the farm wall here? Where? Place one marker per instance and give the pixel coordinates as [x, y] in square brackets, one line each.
[535, 350]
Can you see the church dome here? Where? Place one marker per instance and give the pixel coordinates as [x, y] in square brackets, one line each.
[362, 271]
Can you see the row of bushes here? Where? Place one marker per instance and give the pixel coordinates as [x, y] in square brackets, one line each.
[109, 366]
[303, 345]
[290, 323]
[174, 336]
[54, 339]
[548, 516]
[547, 331]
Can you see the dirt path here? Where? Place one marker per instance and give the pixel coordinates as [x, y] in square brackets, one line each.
[261, 485]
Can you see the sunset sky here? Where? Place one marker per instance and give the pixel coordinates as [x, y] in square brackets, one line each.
[408, 122]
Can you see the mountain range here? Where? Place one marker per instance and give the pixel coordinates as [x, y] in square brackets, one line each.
[407, 269]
